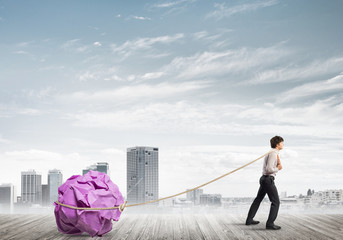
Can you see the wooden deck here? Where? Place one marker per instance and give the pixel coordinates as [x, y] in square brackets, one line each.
[182, 226]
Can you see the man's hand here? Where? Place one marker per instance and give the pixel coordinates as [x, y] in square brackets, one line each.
[279, 166]
[278, 162]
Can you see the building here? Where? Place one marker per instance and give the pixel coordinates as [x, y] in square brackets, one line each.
[142, 174]
[283, 195]
[31, 187]
[45, 195]
[194, 195]
[55, 179]
[7, 196]
[99, 166]
[211, 199]
[169, 202]
[331, 196]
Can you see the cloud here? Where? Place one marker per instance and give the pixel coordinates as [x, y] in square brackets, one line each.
[141, 18]
[170, 4]
[139, 92]
[200, 35]
[223, 11]
[98, 44]
[4, 140]
[296, 73]
[29, 111]
[33, 155]
[100, 72]
[152, 75]
[70, 43]
[21, 52]
[215, 64]
[177, 6]
[75, 45]
[249, 66]
[39, 93]
[157, 55]
[48, 68]
[311, 89]
[131, 46]
[24, 44]
[321, 119]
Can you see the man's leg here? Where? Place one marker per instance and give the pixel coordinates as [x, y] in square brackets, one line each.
[256, 203]
[274, 198]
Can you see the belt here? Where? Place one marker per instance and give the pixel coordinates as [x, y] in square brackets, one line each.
[269, 176]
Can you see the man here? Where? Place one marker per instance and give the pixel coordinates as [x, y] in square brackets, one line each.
[271, 166]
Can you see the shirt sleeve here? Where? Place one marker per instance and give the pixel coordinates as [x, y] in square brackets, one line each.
[271, 163]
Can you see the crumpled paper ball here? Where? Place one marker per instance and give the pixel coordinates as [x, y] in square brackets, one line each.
[94, 189]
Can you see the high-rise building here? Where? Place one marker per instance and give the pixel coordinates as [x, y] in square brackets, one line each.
[194, 196]
[142, 174]
[55, 179]
[31, 187]
[99, 166]
[45, 195]
[7, 196]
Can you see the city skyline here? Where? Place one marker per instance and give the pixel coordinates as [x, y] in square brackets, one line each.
[104, 167]
[209, 83]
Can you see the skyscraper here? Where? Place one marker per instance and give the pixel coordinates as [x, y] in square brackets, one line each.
[142, 174]
[46, 195]
[55, 179]
[7, 196]
[99, 166]
[31, 187]
[194, 195]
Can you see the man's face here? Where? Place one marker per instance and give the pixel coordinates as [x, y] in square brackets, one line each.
[280, 145]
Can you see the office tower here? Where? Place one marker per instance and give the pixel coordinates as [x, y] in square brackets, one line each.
[7, 196]
[142, 174]
[211, 199]
[99, 166]
[194, 195]
[31, 187]
[45, 195]
[55, 179]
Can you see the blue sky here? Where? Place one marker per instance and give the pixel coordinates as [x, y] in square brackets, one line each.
[208, 82]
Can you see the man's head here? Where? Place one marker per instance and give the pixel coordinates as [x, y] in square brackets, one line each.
[276, 142]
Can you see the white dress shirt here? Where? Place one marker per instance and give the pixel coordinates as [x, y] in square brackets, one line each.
[270, 163]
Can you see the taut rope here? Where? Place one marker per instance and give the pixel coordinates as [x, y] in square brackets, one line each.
[123, 205]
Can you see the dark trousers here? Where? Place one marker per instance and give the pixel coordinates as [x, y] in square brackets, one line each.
[267, 186]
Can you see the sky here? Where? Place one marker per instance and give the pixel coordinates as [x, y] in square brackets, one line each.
[207, 82]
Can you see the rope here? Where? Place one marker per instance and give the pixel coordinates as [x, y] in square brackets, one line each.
[123, 205]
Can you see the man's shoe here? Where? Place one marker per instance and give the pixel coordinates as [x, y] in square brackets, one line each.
[252, 222]
[274, 227]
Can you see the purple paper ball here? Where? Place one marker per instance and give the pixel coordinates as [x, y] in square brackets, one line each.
[95, 190]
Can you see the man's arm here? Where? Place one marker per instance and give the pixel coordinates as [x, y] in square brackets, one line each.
[272, 159]
[279, 166]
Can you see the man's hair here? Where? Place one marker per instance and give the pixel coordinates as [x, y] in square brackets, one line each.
[275, 141]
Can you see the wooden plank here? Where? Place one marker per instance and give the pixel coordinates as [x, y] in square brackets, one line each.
[126, 229]
[321, 225]
[220, 227]
[182, 226]
[193, 228]
[182, 229]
